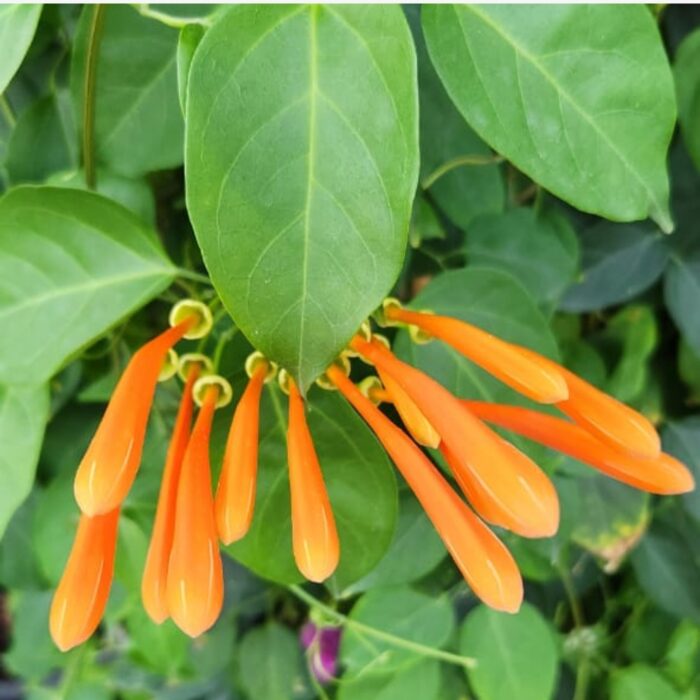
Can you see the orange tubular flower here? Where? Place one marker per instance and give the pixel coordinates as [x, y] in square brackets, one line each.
[315, 539]
[235, 494]
[527, 374]
[109, 466]
[155, 575]
[81, 596]
[195, 587]
[663, 474]
[482, 558]
[510, 480]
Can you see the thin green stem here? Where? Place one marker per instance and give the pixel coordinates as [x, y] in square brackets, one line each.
[7, 111]
[574, 603]
[170, 20]
[583, 674]
[92, 53]
[458, 162]
[415, 647]
[195, 276]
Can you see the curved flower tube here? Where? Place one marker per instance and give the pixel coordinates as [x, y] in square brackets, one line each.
[155, 574]
[109, 466]
[314, 534]
[81, 596]
[195, 586]
[482, 558]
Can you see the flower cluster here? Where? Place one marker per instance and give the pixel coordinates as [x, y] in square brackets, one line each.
[499, 484]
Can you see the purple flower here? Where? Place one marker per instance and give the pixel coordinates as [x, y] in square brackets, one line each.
[321, 645]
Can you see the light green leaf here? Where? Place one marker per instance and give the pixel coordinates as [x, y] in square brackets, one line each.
[72, 264]
[681, 293]
[270, 662]
[422, 680]
[618, 263]
[138, 123]
[516, 654]
[401, 612]
[17, 27]
[190, 36]
[640, 682]
[23, 414]
[682, 440]
[414, 552]
[579, 97]
[358, 475]
[686, 71]
[540, 251]
[302, 210]
[463, 191]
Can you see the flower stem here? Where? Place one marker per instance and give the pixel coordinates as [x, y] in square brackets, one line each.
[457, 162]
[93, 49]
[7, 111]
[415, 647]
[194, 276]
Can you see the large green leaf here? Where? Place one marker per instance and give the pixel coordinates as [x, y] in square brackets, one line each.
[23, 414]
[641, 682]
[400, 612]
[300, 184]
[360, 483]
[17, 27]
[682, 439]
[687, 74]
[422, 680]
[516, 655]
[579, 97]
[619, 262]
[681, 293]
[72, 263]
[138, 122]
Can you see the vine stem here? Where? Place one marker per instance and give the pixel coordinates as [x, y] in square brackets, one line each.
[93, 48]
[194, 276]
[169, 20]
[344, 621]
[7, 111]
[457, 162]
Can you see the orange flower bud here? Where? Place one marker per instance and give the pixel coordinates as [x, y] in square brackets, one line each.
[663, 474]
[484, 561]
[81, 596]
[525, 373]
[109, 466]
[235, 494]
[505, 476]
[155, 574]
[314, 535]
[195, 588]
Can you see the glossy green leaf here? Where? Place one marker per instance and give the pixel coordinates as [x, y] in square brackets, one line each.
[686, 71]
[516, 654]
[681, 293]
[138, 123]
[464, 191]
[302, 209]
[422, 680]
[682, 440]
[540, 251]
[640, 682]
[72, 264]
[414, 552]
[43, 140]
[17, 27]
[579, 97]
[270, 662]
[401, 612]
[17, 570]
[667, 571]
[359, 478]
[618, 263]
[23, 414]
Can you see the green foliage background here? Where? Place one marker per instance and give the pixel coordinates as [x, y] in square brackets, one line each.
[559, 147]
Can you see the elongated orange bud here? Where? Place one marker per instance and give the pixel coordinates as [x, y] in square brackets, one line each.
[607, 418]
[526, 374]
[663, 474]
[195, 589]
[516, 485]
[416, 423]
[314, 535]
[155, 573]
[235, 494]
[81, 596]
[484, 561]
[109, 466]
